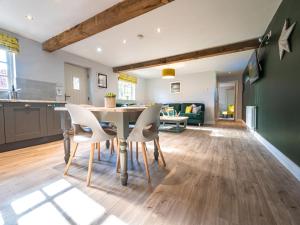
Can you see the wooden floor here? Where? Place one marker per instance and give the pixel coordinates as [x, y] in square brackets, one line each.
[214, 175]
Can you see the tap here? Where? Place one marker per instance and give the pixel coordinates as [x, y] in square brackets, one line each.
[13, 93]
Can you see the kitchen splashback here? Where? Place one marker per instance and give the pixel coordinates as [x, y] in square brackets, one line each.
[32, 89]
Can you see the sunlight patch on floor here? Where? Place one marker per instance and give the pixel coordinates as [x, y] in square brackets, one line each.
[25, 203]
[79, 206]
[46, 214]
[59, 203]
[56, 187]
[113, 220]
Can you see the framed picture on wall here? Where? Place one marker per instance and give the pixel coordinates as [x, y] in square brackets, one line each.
[102, 80]
[175, 87]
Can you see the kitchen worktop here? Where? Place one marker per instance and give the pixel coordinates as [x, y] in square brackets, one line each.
[30, 101]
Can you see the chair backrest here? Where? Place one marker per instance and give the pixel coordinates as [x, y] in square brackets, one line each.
[150, 116]
[83, 117]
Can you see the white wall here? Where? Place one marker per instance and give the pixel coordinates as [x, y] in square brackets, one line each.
[198, 88]
[35, 64]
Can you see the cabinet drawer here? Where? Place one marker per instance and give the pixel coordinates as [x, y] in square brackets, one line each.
[53, 120]
[24, 121]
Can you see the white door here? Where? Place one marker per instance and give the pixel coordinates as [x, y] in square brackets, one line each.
[76, 84]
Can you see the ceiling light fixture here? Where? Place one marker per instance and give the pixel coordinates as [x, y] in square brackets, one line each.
[124, 41]
[99, 50]
[140, 36]
[29, 17]
[158, 30]
[168, 73]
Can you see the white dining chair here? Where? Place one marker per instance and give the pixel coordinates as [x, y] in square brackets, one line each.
[80, 116]
[146, 130]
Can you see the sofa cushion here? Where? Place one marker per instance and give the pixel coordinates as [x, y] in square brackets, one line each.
[184, 105]
[188, 109]
[197, 109]
[176, 106]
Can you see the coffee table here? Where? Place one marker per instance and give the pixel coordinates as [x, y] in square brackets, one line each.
[173, 123]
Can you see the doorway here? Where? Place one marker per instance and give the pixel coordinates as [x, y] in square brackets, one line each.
[76, 84]
[226, 104]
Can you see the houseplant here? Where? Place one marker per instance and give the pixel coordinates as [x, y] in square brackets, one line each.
[110, 100]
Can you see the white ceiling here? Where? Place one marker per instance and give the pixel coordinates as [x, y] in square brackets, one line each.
[186, 25]
[50, 17]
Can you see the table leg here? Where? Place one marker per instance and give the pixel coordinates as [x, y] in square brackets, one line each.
[177, 126]
[156, 153]
[123, 161]
[66, 145]
[66, 125]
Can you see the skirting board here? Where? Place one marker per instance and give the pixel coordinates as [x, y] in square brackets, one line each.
[285, 161]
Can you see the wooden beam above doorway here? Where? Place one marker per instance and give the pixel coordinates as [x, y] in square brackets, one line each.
[204, 53]
[117, 14]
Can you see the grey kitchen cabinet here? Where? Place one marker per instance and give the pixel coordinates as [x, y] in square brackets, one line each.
[24, 121]
[53, 120]
[2, 133]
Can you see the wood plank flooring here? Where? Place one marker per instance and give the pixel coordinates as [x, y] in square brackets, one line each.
[214, 175]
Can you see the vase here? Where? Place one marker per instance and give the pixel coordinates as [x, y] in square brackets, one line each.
[110, 102]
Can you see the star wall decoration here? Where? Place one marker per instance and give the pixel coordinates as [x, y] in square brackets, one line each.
[283, 41]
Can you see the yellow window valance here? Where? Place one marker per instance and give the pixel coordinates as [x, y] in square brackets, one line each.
[10, 43]
[128, 78]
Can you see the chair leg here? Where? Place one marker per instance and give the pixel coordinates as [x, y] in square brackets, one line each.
[130, 147]
[160, 152]
[137, 151]
[118, 157]
[98, 147]
[146, 161]
[71, 158]
[88, 180]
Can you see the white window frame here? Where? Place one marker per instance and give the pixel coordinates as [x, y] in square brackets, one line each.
[75, 80]
[11, 69]
[121, 89]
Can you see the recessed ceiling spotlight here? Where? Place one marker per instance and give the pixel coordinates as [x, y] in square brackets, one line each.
[29, 17]
[158, 30]
[140, 36]
[99, 50]
[124, 41]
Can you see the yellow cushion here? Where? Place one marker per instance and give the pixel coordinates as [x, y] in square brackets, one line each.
[188, 109]
[231, 108]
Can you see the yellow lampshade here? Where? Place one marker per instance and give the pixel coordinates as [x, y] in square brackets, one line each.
[168, 73]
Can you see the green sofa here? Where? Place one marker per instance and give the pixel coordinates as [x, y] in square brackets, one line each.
[194, 118]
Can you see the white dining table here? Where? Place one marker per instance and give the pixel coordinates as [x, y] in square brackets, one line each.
[120, 116]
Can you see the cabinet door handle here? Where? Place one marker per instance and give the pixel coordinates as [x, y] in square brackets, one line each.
[27, 106]
[50, 105]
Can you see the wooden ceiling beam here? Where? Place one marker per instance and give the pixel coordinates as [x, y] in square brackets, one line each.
[117, 14]
[205, 53]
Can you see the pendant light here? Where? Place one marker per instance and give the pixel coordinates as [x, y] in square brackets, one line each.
[168, 73]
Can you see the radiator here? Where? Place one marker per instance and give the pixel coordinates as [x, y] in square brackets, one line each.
[251, 117]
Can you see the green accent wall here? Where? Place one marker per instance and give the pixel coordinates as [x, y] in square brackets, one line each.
[277, 93]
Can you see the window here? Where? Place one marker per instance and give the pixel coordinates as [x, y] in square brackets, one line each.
[126, 90]
[7, 69]
[76, 83]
